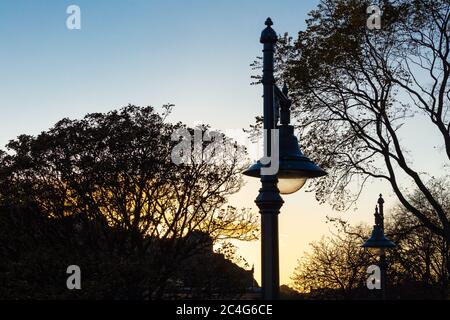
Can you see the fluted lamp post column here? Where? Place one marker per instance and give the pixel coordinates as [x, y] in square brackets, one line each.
[379, 242]
[293, 166]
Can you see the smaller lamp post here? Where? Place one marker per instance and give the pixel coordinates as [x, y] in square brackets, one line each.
[380, 242]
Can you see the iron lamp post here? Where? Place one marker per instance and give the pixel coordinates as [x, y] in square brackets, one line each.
[379, 242]
[293, 169]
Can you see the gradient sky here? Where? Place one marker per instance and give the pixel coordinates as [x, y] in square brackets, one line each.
[195, 54]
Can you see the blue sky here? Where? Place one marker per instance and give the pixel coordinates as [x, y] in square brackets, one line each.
[195, 54]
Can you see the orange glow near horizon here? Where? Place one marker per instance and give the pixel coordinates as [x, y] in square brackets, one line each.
[302, 220]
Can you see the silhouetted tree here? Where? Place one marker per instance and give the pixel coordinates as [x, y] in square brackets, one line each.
[417, 267]
[353, 89]
[115, 171]
[421, 257]
[335, 264]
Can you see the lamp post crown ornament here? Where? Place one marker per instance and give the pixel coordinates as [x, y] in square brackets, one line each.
[269, 35]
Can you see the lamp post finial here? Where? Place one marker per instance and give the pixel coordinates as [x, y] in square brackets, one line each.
[268, 35]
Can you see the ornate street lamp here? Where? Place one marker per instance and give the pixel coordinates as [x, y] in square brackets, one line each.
[293, 169]
[379, 242]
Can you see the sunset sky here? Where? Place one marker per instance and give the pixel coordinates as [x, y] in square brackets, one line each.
[194, 54]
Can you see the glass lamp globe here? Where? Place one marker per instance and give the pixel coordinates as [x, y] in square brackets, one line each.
[294, 168]
[288, 185]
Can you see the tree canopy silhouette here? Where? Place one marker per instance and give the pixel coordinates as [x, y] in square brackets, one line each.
[114, 171]
[418, 267]
[354, 89]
